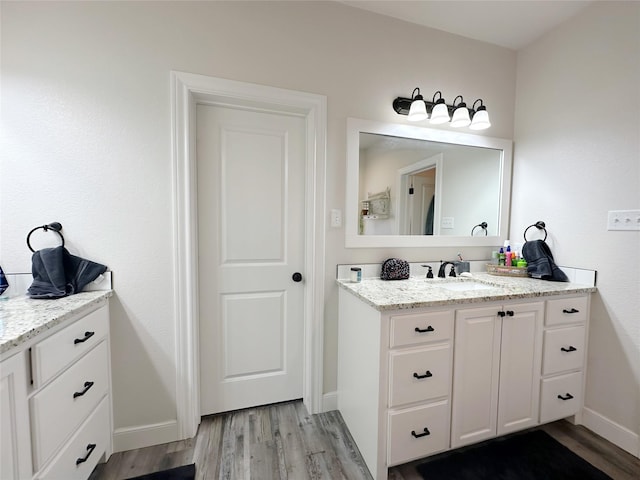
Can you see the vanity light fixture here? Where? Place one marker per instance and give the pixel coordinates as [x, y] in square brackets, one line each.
[460, 113]
[418, 109]
[457, 114]
[439, 112]
[480, 119]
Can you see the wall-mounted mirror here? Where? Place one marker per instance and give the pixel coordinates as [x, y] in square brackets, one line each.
[411, 186]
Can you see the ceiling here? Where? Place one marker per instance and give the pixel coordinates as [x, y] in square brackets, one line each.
[512, 24]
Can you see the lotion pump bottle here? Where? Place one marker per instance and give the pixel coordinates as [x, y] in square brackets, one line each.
[508, 256]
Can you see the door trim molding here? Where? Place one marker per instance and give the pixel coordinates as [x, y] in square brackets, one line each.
[187, 91]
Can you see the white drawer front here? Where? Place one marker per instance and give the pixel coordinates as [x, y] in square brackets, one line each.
[413, 329]
[563, 349]
[408, 439]
[61, 349]
[418, 375]
[80, 456]
[59, 408]
[561, 396]
[566, 310]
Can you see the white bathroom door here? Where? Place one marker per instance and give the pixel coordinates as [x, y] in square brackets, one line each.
[251, 208]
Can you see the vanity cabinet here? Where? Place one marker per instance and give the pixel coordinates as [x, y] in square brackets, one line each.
[565, 337]
[56, 400]
[15, 442]
[415, 382]
[70, 406]
[496, 383]
[394, 381]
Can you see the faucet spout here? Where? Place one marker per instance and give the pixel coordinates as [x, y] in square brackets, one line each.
[441, 273]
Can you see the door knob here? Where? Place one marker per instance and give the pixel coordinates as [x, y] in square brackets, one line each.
[296, 277]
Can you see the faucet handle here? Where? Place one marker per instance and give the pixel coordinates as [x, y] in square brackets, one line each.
[452, 272]
[430, 272]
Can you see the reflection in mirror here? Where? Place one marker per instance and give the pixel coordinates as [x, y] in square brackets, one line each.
[414, 186]
[436, 188]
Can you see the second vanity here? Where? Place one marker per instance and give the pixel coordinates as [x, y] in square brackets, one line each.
[428, 365]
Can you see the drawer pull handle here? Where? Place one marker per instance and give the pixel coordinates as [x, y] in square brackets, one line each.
[568, 396]
[418, 435]
[501, 313]
[90, 448]
[428, 329]
[573, 310]
[510, 313]
[87, 336]
[570, 349]
[87, 386]
[426, 375]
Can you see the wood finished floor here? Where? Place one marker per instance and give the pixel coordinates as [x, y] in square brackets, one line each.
[283, 441]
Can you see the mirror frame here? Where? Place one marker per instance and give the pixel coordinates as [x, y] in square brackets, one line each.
[356, 126]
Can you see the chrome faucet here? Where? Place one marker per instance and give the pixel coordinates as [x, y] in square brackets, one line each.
[443, 265]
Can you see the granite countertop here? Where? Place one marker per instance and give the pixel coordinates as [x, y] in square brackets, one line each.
[22, 318]
[417, 292]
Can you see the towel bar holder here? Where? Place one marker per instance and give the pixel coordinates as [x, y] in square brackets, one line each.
[53, 226]
[540, 225]
[483, 226]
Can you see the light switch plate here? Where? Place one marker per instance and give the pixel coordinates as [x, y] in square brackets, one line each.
[623, 220]
[336, 218]
[447, 222]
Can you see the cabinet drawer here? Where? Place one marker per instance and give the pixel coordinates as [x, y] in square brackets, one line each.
[63, 348]
[90, 442]
[563, 349]
[413, 329]
[561, 396]
[566, 310]
[418, 375]
[58, 409]
[408, 439]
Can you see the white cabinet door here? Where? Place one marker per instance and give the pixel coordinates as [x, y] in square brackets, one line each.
[520, 357]
[476, 374]
[15, 444]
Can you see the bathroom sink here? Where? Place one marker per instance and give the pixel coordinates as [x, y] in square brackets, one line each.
[464, 286]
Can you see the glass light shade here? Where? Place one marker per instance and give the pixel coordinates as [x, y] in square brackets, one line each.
[417, 111]
[439, 114]
[480, 120]
[461, 117]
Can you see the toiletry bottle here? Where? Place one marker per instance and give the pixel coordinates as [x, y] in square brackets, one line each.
[356, 274]
[501, 257]
[508, 256]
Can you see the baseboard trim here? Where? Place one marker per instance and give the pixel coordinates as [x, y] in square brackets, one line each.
[330, 401]
[141, 436]
[607, 428]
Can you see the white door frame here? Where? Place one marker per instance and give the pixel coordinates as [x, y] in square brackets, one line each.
[187, 91]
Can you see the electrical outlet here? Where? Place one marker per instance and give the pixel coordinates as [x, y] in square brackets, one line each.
[623, 220]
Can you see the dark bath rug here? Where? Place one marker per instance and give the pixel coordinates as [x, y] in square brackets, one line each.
[185, 472]
[532, 455]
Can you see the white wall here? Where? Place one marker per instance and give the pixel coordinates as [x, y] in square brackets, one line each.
[86, 137]
[577, 155]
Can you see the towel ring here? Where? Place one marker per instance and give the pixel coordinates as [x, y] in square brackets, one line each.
[54, 226]
[540, 225]
[482, 225]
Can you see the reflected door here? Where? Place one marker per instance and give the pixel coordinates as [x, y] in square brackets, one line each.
[251, 184]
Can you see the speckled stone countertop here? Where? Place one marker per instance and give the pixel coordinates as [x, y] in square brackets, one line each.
[22, 318]
[417, 292]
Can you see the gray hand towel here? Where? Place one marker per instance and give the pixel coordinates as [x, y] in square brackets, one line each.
[540, 262]
[57, 273]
